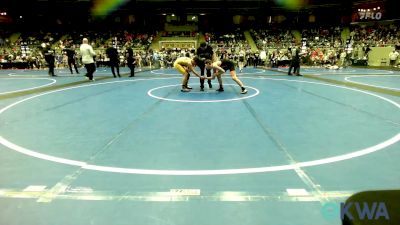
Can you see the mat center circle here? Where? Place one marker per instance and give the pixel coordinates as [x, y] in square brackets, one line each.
[173, 93]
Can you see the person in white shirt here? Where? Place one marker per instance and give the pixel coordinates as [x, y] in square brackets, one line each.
[88, 55]
[263, 57]
[393, 57]
[242, 55]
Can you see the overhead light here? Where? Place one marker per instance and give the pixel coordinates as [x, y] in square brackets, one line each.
[202, 14]
[173, 14]
[164, 14]
[193, 17]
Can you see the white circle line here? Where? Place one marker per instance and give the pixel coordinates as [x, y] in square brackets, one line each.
[64, 71]
[329, 71]
[377, 73]
[87, 166]
[27, 89]
[200, 101]
[247, 73]
[384, 87]
[341, 72]
[29, 152]
[80, 86]
[84, 165]
[23, 71]
[160, 73]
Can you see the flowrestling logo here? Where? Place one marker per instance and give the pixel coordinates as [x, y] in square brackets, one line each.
[370, 13]
[364, 15]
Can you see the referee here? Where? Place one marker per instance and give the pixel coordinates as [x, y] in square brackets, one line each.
[204, 52]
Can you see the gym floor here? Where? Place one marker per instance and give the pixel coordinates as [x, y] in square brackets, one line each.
[126, 151]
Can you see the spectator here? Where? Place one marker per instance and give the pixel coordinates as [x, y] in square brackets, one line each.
[393, 58]
[49, 56]
[88, 55]
[112, 54]
[70, 52]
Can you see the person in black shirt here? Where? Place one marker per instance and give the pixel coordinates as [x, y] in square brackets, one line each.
[204, 52]
[256, 59]
[112, 54]
[366, 49]
[295, 63]
[221, 67]
[49, 57]
[131, 61]
[70, 52]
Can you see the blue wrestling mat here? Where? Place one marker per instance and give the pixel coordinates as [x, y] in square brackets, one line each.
[140, 151]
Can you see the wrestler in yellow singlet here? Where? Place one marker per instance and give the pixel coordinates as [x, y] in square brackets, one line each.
[185, 65]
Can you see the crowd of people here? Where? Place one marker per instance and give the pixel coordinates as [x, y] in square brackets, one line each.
[28, 47]
[325, 45]
[320, 46]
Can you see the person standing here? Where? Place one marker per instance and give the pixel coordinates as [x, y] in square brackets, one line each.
[112, 54]
[88, 55]
[393, 58]
[49, 57]
[295, 63]
[242, 54]
[263, 57]
[131, 61]
[256, 59]
[70, 52]
[204, 52]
